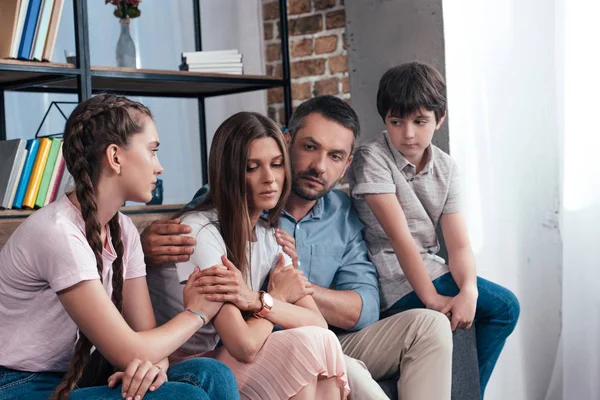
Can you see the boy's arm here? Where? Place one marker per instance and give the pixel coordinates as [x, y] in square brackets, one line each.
[390, 215]
[460, 255]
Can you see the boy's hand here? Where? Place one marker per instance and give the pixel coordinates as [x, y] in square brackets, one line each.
[438, 302]
[163, 241]
[462, 309]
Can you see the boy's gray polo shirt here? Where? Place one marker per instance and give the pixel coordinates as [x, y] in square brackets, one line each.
[378, 167]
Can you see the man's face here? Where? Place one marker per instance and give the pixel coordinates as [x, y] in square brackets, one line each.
[320, 153]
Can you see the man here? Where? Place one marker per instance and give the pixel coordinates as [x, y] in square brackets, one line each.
[327, 236]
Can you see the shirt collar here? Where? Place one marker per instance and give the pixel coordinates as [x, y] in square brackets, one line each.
[315, 213]
[402, 162]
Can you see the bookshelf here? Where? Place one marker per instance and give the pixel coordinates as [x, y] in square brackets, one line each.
[84, 80]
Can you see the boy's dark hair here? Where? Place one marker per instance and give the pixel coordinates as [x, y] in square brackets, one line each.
[331, 108]
[405, 89]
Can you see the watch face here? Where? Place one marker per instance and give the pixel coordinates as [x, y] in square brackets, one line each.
[268, 300]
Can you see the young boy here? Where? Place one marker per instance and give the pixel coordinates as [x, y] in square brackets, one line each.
[402, 187]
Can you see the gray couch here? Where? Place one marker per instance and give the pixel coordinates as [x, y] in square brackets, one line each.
[465, 371]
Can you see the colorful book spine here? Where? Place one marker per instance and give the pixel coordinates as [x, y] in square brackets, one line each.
[56, 176]
[48, 170]
[40, 39]
[36, 173]
[29, 28]
[32, 149]
[53, 30]
[16, 185]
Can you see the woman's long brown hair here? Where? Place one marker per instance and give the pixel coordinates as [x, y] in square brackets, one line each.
[227, 193]
[95, 124]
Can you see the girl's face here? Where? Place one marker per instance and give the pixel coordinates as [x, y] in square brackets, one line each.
[265, 174]
[139, 165]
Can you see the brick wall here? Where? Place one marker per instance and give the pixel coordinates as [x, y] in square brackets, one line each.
[317, 51]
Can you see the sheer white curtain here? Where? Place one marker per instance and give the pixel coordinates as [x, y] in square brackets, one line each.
[164, 30]
[581, 201]
[523, 98]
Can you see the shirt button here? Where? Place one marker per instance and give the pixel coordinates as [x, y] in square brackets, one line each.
[297, 227]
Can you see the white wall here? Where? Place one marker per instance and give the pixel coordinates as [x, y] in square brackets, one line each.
[160, 34]
[501, 73]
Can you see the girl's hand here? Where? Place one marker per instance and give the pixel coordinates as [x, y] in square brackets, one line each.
[139, 376]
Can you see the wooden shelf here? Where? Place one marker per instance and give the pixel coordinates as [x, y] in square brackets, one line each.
[132, 81]
[16, 74]
[129, 210]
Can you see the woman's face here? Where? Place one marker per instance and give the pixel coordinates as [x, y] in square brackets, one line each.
[265, 174]
[139, 164]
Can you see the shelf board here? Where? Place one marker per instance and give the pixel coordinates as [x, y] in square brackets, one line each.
[16, 74]
[168, 208]
[162, 83]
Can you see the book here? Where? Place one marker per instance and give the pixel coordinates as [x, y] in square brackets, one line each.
[67, 184]
[53, 30]
[47, 175]
[36, 173]
[9, 19]
[32, 148]
[18, 178]
[211, 56]
[14, 50]
[44, 25]
[59, 166]
[29, 28]
[215, 65]
[11, 152]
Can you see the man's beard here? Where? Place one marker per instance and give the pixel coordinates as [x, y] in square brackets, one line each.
[308, 194]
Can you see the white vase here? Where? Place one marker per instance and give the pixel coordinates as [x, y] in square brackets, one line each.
[125, 52]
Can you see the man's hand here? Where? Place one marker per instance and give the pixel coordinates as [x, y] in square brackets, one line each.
[228, 285]
[462, 309]
[288, 244]
[164, 241]
[288, 284]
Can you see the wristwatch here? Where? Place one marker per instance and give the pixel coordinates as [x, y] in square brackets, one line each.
[267, 304]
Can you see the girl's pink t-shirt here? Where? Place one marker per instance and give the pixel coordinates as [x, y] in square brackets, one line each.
[48, 253]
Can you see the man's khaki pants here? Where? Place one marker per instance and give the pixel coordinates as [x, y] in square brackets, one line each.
[415, 343]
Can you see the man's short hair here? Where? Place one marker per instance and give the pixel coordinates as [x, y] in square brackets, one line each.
[331, 108]
[405, 89]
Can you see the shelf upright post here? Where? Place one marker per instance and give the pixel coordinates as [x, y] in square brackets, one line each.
[285, 60]
[2, 116]
[82, 49]
[201, 109]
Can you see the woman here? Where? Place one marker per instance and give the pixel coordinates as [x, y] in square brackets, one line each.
[73, 277]
[249, 173]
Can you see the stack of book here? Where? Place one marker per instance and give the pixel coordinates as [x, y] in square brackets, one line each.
[32, 172]
[221, 62]
[28, 28]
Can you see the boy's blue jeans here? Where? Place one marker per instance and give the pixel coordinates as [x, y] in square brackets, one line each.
[496, 316]
[197, 378]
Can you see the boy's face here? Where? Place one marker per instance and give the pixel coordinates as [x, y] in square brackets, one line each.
[412, 134]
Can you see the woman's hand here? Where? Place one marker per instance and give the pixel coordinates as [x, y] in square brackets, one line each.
[225, 283]
[138, 378]
[288, 244]
[288, 284]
